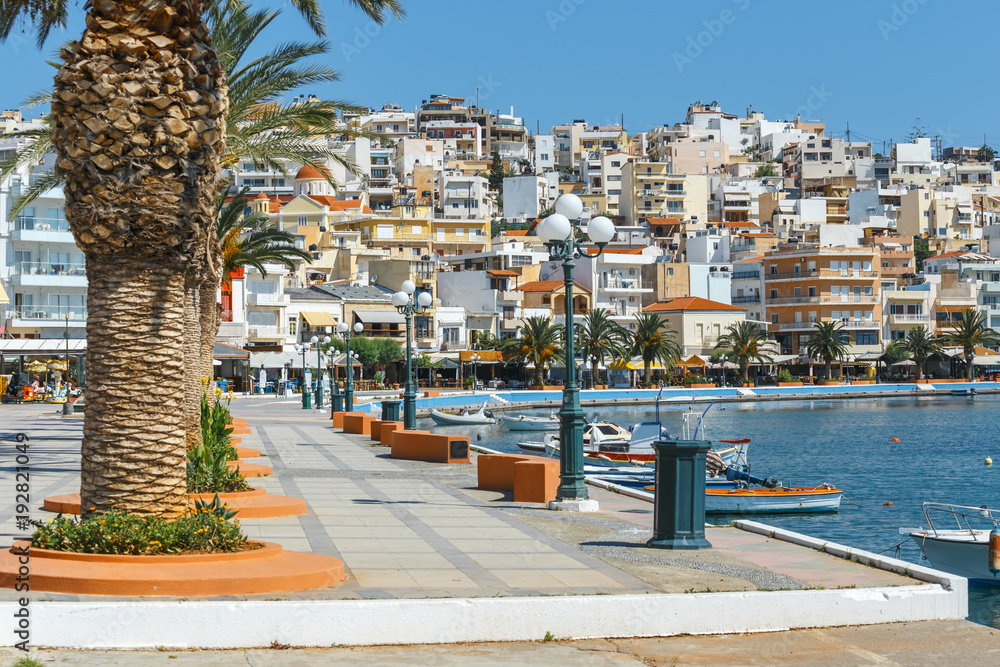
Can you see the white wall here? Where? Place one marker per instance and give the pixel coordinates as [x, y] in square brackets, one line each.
[712, 285]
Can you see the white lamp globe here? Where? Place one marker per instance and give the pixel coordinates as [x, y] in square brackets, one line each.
[601, 230]
[342, 327]
[297, 347]
[326, 339]
[400, 299]
[570, 206]
[358, 327]
[424, 299]
[408, 286]
[557, 228]
[540, 230]
[314, 340]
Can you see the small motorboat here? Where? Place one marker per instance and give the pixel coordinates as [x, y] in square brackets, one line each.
[609, 431]
[777, 500]
[482, 416]
[530, 422]
[964, 392]
[965, 549]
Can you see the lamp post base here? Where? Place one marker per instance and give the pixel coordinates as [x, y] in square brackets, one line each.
[568, 505]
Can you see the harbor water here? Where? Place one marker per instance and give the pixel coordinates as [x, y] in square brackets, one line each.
[943, 442]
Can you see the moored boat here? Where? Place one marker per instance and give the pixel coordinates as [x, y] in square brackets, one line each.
[965, 549]
[530, 422]
[825, 498]
[482, 416]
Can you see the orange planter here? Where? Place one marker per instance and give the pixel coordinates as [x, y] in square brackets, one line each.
[269, 569]
[789, 384]
[862, 381]
[250, 469]
[247, 452]
[252, 504]
[700, 386]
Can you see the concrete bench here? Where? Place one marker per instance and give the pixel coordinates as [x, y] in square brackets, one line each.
[358, 423]
[382, 429]
[532, 479]
[338, 418]
[426, 446]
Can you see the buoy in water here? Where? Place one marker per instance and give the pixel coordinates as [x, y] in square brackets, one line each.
[988, 461]
[895, 440]
[887, 503]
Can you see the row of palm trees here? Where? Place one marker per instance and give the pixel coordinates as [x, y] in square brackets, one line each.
[599, 338]
[970, 331]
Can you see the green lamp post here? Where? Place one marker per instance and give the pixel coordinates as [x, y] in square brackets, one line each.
[406, 305]
[345, 331]
[306, 395]
[557, 233]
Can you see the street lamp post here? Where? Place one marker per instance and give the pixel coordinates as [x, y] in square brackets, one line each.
[723, 371]
[306, 397]
[319, 369]
[67, 408]
[345, 331]
[557, 233]
[405, 304]
[475, 358]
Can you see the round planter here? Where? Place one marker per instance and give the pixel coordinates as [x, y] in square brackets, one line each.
[252, 504]
[269, 569]
[246, 452]
[250, 469]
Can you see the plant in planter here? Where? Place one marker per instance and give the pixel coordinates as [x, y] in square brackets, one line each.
[785, 376]
[695, 378]
[208, 472]
[216, 432]
[205, 528]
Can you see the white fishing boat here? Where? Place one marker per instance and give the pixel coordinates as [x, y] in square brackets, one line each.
[778, 500]
[530, 422]
[482, 416]
[965, 549]
[609, 432]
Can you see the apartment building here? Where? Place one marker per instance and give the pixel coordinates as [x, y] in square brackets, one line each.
[524, 197]
[266, 307]
[547, 298]
[461, 139]
[489, 293]
[808, 284]
[904, 308]
[945, 214]
[747, 286]
[391, 121]
[619, 286]
[544, 153]
[649, 190]
[462, 196]
[699, 322]
[895, 254]
[966, 279]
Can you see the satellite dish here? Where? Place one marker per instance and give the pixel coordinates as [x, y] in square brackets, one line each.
[373, 279]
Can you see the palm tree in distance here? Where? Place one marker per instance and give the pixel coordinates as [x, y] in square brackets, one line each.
[970, 331]
[599, 337]
[250, 240]
[747, 342]
[539, 343]
[826, 344]
[920, 345]
[654, 340]
[138, 130]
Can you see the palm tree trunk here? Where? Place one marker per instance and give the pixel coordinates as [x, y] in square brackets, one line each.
[192, 362]
[594, 380]
[745, 369]
[133, 436]
[645, 371]
[920, 371]
[829, 369]
[538, 374]
[970, 369]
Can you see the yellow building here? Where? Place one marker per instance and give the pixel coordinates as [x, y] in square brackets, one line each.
[650, 190]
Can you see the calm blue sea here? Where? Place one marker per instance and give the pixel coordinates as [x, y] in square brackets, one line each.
[944, 441]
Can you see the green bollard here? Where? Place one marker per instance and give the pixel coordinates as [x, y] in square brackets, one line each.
[679, 504]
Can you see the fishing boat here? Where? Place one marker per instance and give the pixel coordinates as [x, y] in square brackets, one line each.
[964, 392]
[609, 431]
[965, 549]
[482, 416]
[781, 499]
[530, 422]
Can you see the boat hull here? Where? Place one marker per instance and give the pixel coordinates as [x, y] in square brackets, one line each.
[529, 424]
[771, 501]
[444, 419]
[958, 553]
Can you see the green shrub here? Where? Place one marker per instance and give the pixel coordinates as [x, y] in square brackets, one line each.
[206, 528]
[695, 378]
[216, 433]
[785, 376]
[208, 472]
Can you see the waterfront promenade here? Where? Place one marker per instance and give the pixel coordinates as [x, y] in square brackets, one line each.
[422, 532]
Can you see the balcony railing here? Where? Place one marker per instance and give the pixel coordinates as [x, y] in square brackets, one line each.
[745, 275]
[623, 311]
[753, 298]
[56, 313]
[825, 299]
[909, 317]
[844, 324]
[823, 273]
[627, 284]
[31, 223]
[49, 269]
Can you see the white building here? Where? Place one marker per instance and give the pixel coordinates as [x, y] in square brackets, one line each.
[545, 155]
[524, 197]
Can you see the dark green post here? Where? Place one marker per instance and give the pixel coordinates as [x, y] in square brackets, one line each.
[679, 504]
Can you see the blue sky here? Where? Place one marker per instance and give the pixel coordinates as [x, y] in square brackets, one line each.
[875, 64]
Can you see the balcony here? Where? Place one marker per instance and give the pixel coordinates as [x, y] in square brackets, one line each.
[48, 315]
[510, 296]
[267, 299]
[823, 273]
[267, 331]
[907, 318]
[844, 324]
[745, 275]
[45, 230]
[45, 274]
[753, 298]
[627, 285]
[823, 299]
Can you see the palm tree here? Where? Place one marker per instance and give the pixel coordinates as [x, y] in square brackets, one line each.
[538, 343]
[971, 331]
[138, 129]
[747, 342]
[598, 337]
[826, 344]
[653, 340]
[919, 345]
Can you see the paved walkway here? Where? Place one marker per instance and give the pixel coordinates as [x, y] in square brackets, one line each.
[415, 530]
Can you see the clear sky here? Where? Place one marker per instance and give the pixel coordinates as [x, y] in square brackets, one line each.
[876, 64]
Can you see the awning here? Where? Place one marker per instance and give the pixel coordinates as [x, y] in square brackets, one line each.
[777, 359]
[3, 295]
[693, 362]
[380, 316]
[986, 360]
[341, 360]
[16, 346]
[223, 351]
[318, 319]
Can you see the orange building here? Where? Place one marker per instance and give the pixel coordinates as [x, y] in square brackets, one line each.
[808, 284]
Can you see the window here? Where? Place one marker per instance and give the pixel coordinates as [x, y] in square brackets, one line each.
[545, 156]
[614, 178]
[302, 220]
[616, 163]
[508, 312]
[701, 153]
[773, 269]
[773, 294]
[716, 153]
[866, 338]
[774, 319]
[614, 192]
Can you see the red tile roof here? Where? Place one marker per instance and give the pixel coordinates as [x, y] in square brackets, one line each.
[690, 303]
[547, 286]
[663, 221]
[499, 272]
[335, 204]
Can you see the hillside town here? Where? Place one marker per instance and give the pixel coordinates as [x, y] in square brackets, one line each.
[720, 218]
